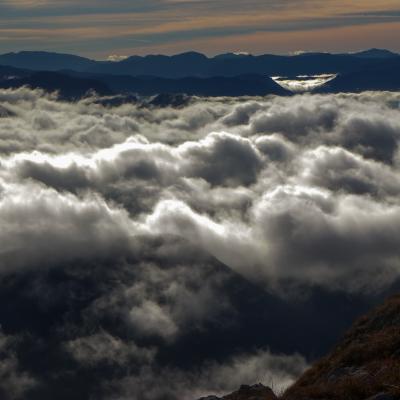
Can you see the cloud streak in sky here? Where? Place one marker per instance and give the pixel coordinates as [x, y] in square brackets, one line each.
[116, 27]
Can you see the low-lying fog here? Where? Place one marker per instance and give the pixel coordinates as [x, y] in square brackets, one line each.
[139, 246]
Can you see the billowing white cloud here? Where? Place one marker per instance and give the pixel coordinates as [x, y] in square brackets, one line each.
[243, 179]
[126, 229]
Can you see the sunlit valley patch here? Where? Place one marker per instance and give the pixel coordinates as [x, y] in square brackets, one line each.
[303, 83]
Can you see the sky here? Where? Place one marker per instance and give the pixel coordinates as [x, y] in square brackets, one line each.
[99, 28]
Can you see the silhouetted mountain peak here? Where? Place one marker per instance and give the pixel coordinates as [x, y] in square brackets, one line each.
[378, 75]
[376, 53]
[49, 54]
[129, 59]
[43, 60]
[230, 56]
[191, 55]
[68, 87]
[196, 64]
[312, 54]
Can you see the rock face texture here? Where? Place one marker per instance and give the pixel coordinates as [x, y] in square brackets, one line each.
[246, 392]
[364, 365]
[255, 392]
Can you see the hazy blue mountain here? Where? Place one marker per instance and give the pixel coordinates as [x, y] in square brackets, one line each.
[195, 64]
[381, 76]
[243, 85]
[42, 60]
[12, 72]
[195, 74]
[73, 85]
[376, 53]
[69, 87]
[181, 65]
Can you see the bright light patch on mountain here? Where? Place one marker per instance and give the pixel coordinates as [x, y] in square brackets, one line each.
[303, 83]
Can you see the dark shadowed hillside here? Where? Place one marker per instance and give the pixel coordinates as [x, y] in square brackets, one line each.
[43, 60]
[243, 85]
[68, 87]
[376, 53]
[366, 362]
[196, 64]
[365, 365]
[381, 76]
[193, 73]
[73, 85]
[7, 72]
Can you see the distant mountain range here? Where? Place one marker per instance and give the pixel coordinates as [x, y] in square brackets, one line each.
[69, 87]
[73, 85]
[198, 65]
[384, 75]
[196, 74]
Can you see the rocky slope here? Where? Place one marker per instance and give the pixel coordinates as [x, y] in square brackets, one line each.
[365, 364]
[246, 392]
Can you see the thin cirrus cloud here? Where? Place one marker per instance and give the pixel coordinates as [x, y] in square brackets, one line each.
[157, 26]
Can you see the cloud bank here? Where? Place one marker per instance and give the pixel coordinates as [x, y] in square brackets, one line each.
[130, 232]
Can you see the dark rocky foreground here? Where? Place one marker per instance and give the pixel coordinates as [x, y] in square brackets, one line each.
[246, 392]
[365, 365]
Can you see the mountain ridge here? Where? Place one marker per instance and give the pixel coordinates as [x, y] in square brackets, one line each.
[73, 85]
[384, 75]
[195, 74]
[196, 64]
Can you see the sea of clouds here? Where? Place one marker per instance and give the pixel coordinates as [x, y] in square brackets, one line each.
[124, 231]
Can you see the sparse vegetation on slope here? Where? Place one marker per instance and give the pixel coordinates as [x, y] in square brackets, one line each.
[365, 363]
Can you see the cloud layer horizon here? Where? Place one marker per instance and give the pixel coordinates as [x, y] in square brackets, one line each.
[128, 232]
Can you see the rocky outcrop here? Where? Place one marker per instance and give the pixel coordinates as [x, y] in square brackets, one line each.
[364, 365]
[247, 392]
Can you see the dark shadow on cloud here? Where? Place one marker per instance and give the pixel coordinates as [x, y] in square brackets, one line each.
[226, 161]
[78, 339]
[375, 139]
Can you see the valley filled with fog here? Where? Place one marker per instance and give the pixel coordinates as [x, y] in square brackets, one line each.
[157, 253]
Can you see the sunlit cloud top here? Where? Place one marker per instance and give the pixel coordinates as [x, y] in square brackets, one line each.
[99, 28]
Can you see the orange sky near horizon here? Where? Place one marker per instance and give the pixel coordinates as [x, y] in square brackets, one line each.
[97, 29]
